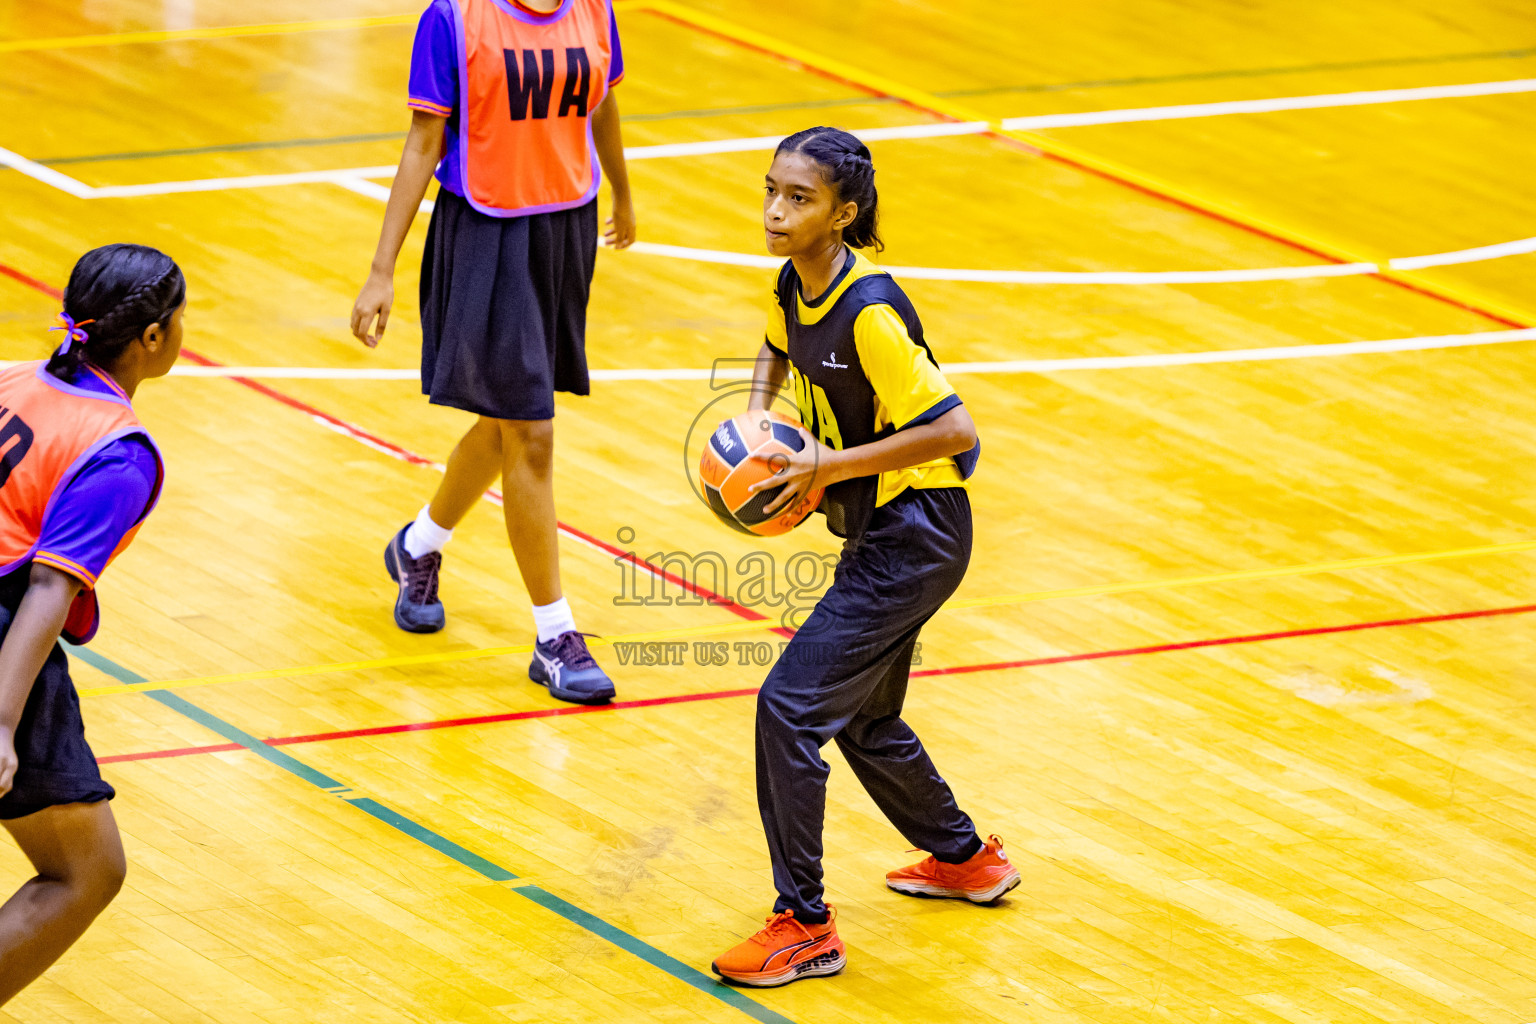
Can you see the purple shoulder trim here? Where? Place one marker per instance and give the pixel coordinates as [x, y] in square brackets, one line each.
[74, 471]
[73, 389]
[531, 17]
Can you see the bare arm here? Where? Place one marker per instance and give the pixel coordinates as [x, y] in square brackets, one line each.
[768, 377]
[33, 632]
[423, 151]
[950, 434]
[609, 141]
[820, 466]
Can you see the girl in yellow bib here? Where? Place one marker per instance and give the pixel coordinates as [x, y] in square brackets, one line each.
[893, 446]
[512, 109]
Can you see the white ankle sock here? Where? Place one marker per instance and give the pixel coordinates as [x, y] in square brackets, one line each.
[553, 619]
[424, 535]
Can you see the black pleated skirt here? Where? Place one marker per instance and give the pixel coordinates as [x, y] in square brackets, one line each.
[504, 308]
[54, 762]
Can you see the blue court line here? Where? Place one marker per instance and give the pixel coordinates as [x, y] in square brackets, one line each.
[496, 873]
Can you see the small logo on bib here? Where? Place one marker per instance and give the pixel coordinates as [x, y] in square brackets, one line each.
[831, 362]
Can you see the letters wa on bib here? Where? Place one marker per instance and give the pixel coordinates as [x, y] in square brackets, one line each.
[510, 252]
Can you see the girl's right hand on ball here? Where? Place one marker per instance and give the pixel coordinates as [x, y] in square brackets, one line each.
[375, 300]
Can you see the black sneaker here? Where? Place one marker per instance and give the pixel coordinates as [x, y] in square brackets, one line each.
[565, 666]
[417, 609]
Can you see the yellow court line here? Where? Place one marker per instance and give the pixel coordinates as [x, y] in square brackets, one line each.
[435, 658]
[729, 628]
[281, 28]
[960, 112]
[857, 76]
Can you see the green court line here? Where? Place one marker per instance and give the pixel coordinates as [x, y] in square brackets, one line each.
[226, 147]
[768, 108]
[422, 834]
[103, 664]
[549, 901]
[1288, 69]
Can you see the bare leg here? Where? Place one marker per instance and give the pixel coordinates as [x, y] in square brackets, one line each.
[80, 866]
[528, 485]
[474, 465]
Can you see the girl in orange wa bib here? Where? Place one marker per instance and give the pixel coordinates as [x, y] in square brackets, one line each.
[512, 109]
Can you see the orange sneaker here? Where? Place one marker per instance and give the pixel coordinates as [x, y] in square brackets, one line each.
[982, 879]
[784, 951]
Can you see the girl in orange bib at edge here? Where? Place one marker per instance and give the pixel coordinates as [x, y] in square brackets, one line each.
[512, 110]
[78, 476]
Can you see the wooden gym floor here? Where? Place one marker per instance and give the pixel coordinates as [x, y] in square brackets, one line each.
[1242, 668]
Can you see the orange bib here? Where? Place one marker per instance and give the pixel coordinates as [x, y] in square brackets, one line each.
[48, 432]
[527, 91]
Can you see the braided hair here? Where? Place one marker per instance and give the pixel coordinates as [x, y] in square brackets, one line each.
[121, 290]
[846, 166]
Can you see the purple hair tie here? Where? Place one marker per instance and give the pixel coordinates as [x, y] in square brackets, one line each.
[73, 332]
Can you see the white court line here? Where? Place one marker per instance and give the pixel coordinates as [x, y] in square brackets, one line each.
[916, 131]
[730, 259]
[46, 175]
[1341, 99]
[771, 142]
[739, 259]
[296, 372]
[1244, 355]
[354, 179]
[373, 190]
[344, 175]
[1482, 252]
[161, 188]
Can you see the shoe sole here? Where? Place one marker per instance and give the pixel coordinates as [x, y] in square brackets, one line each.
[816, 966]
[941, 892]
[393, 568]
[569, 696]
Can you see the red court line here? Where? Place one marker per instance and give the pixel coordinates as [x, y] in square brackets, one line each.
[1252, 638]
[356, 432]
[30, 282]
[515, 716]
[375, 441]
[178, 752]
[1216, 215]
[995, 666]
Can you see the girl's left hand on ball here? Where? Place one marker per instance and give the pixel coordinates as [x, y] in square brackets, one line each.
[799, 473]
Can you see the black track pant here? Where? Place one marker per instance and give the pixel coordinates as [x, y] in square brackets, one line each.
[844, 677]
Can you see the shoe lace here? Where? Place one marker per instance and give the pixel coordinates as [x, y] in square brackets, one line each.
[776, 925]
[421, 578]
[784, 921]
[571, 648]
